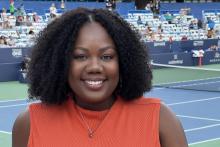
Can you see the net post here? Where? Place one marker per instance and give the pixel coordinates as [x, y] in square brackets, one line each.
[200, 61]
[201, 52]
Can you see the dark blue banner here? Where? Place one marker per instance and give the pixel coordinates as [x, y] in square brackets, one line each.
[180, 46]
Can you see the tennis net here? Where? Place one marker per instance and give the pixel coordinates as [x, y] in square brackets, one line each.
[205, 78]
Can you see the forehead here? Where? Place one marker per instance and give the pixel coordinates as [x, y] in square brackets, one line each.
[93, 32]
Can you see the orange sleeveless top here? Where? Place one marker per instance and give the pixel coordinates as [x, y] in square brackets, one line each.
[126, 124]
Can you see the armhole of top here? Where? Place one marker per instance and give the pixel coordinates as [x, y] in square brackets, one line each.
[30, 108]
[158, 122]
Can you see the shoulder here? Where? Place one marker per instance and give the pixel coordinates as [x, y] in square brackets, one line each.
[21, 129]
[143, 105]
[146, 101]
[170, 129]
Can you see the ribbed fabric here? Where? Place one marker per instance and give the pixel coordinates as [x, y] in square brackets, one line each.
[126, 124]
[91, 119]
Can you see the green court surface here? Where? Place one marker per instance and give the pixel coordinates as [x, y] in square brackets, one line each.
[12, 90]
[172, 74]
[211, 143]
[5, 140]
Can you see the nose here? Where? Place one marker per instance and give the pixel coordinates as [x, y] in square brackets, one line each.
[94, 66]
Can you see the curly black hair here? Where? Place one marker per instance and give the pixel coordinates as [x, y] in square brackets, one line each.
[51, 56]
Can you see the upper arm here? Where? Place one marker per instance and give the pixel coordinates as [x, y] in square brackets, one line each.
[171, 131]
[21, 129]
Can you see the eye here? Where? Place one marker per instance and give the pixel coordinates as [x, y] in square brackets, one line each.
[107, 57]
[80, 57]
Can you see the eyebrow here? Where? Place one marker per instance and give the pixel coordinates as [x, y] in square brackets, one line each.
[102, 49]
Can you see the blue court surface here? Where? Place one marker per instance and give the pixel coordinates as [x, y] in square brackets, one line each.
[199, 112]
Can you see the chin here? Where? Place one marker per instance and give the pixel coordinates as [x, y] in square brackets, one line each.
[95, 100]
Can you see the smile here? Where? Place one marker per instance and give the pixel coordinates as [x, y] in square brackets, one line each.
[94, 84]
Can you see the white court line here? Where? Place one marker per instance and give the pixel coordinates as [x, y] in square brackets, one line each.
[200, 118]
[158, 88]
[14, 105]
[193, 101]
[201, 128]
[10, 63]
[4, 101]
[195, 84]
[5, 132]
[204, 141]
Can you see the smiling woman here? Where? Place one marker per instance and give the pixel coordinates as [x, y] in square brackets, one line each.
[90, 70]
[94, 72]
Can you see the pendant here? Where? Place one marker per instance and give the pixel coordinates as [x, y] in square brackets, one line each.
[90, 134]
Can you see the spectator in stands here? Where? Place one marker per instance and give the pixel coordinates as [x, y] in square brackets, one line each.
[19, 20]
[151, 6]
[12, 8]
[161, 37]
[148, 6]
[31, 32]
[139, 21]
[20, 13]
[159, 29]
[28, 21]
[146, 24]
[211, 23]
[200, 24]
[62, 5]
[217, 33]
[191, 25]
[36, 18]
[25, 63]
[4, 17]
[3, 42]
[195, 24]
[157, 6]
[22, 9]
[108, 5]
[149, 31]
[53, 11]
[185, 11]
[169, 17]
[184, 38]
[113, 4]
[32, 35]
[10, 41]
[83, 69]
[210, 33]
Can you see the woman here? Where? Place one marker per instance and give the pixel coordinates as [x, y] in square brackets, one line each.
[90, 70]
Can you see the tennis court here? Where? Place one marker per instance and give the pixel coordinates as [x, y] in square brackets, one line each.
[196, 106]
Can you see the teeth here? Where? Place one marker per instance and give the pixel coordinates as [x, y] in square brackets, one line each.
[94, 82]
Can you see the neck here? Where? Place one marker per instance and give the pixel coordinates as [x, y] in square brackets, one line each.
[96, 106]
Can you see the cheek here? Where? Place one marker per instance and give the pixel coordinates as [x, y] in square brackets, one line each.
[73, 74]
[114, 71]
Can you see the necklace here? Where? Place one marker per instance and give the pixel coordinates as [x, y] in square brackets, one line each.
[90, 130]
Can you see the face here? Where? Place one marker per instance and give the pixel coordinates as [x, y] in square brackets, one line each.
[94, 69]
